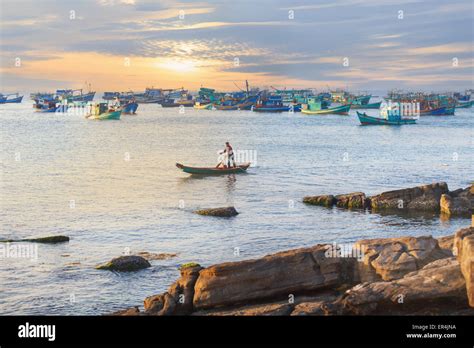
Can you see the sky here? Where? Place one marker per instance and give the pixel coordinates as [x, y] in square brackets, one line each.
[120, 45]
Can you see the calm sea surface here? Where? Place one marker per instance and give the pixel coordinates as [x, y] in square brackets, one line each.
[112, 186]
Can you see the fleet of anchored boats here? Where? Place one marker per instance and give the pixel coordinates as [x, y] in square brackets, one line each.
[396, 108]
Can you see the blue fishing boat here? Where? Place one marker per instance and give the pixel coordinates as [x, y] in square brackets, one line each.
[75, 95]
[50, 106]
[441, 111]
[393, 114]
[129, 107]
[273, 103]
[6, 98]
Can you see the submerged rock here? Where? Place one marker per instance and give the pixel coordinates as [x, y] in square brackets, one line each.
[392, 258]
[439, 287]
[47, 240]
[126, 263]
[127, 312]
[459, 202]
[271, 277]
[221, 212]
[464, 249]
[420, 198]
[323, 200]
[154, 256]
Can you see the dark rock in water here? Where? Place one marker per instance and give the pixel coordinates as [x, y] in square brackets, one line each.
[420, 198]
[459, 202]
[323, 200]
[354, 200]
[439, 286]
[464, 249]
[392, 258]
[48, 240]
[221, 212]
[127, 263]
[127, 312]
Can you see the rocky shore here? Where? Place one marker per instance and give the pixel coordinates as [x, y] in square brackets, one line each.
[386, 276]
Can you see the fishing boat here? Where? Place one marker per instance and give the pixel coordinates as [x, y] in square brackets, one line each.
[392, 114]
[50, 106]
[315, 106]
[102, 111]
[465, 105]
[201, 106]
[367, 106]
[75, 95]
[241, 168]
[6, 98]
[440, 111]
[170, 103]
[129, 107]
[272, 103]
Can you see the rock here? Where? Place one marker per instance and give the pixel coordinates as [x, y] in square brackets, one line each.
[272, 277]
[439, 285]
[221, 212]
[48, 240]
[464, 249]
[392, 258]
[266, 309]
[324, 200]
[314, 305]
[354, 200]
[446, 244]
[178, 300]
[125, 264]
[127, 312]
[153, 256]
[420, 198]
[459, 202]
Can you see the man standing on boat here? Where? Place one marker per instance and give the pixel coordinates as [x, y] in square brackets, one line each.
[228, 153]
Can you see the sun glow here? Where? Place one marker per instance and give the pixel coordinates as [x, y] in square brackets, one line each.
[182, 66]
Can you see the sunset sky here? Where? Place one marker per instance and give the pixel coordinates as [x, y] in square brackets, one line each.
[131, 44]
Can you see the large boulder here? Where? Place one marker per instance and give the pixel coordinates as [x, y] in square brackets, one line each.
[323, 200]
[420, 198]
[438, 288]
[354, 200]
[464, 249]
[392, 258]
[126, 263]
[272, 277]
[458, 203]
[220, 212]
[178, 300]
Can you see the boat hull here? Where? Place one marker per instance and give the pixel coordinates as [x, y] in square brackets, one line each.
[115, 115]
[371, 120]
[130, 108]
[367, 106]
[12, 100]
[442, 111]
[340, 110]
[271, 109]
[242, 168]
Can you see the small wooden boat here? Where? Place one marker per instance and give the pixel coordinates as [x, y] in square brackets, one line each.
[101, 111]
[441, 111]
[340, 110]
[200, 106]
[273, 103]
[465, 105]
[129, 107]
[4, 99]
[241, 168]
[390, 121]
[367, 106]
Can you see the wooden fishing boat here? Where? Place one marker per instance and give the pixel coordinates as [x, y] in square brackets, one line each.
[391, 121]
[200, 106]
[129, 107]
[367, 106]
[4, 99]
[102, 111]
[465, 105]
[441, 111]
[273, 103]
[340, 110]
[241, 168]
